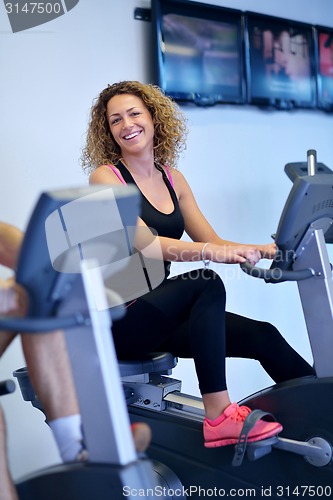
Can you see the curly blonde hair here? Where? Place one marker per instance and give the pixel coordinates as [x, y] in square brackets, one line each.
[168, 120]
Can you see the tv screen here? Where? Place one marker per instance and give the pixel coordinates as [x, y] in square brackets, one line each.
[325, 68]
[198, 52]
[280, 62]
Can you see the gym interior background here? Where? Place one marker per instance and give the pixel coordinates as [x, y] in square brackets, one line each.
[234, 162]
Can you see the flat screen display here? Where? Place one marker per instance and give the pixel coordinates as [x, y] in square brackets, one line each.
[280, 62]
[325, 68]
[199, 52]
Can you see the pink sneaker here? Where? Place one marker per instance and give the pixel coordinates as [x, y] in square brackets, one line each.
[226, 429]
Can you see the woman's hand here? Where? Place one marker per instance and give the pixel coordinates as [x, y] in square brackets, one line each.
[232, 254]
[267, 251]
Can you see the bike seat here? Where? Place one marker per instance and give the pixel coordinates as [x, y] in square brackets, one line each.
[155, 362]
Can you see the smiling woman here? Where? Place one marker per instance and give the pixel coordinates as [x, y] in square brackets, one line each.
[135, 136]
[131, 126]
[170, 129]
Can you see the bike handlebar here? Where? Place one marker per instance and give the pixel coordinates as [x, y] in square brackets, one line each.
[276, 275]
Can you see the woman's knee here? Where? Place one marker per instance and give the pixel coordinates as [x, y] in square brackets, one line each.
[207, 279]
[210, 285]
[267, 339]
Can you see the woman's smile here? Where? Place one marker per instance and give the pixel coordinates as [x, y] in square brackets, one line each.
[132, 135]
[130, 123]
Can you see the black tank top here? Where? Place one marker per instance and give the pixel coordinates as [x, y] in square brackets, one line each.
[168, 225]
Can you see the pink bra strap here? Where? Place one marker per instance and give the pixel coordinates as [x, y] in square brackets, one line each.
[117, 173]
[168, 172]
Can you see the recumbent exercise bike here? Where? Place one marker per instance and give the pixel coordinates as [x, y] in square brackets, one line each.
[302, 456]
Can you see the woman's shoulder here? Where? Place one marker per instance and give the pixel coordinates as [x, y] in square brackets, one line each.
[173, 172]
[179, 182]
[177, 176]
[106, 173]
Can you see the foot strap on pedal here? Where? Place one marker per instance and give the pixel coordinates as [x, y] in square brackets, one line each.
[249, 423]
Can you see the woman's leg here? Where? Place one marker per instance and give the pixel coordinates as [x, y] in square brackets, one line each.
[186, 316]
[248, 338]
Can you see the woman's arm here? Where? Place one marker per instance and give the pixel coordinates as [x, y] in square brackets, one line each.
[201, 232]
[197, 226]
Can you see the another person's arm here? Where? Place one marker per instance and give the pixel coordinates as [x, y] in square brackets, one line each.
[10, 244]
[13, 300]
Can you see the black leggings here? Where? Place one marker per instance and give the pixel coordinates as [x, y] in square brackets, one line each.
[185, 315]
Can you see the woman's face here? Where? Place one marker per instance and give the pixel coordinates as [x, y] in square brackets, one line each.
[282, 49]
[130, 124]
[331, 49]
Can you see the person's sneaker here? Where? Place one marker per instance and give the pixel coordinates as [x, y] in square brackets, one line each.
[226, 429]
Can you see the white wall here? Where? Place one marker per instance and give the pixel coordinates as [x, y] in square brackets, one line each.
[234, 162]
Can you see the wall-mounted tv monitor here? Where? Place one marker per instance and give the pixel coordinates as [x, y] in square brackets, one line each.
[280, 62]
[198, 52]
[324, 47]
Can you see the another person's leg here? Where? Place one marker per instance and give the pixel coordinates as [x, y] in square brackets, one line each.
[49, 370]
[50, 373]
[7, 489]
[5, 339]
[51, 376]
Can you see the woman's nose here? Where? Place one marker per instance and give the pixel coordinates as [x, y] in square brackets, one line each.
[127, 122]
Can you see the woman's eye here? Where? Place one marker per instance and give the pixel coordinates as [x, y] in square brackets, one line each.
[116, 120]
